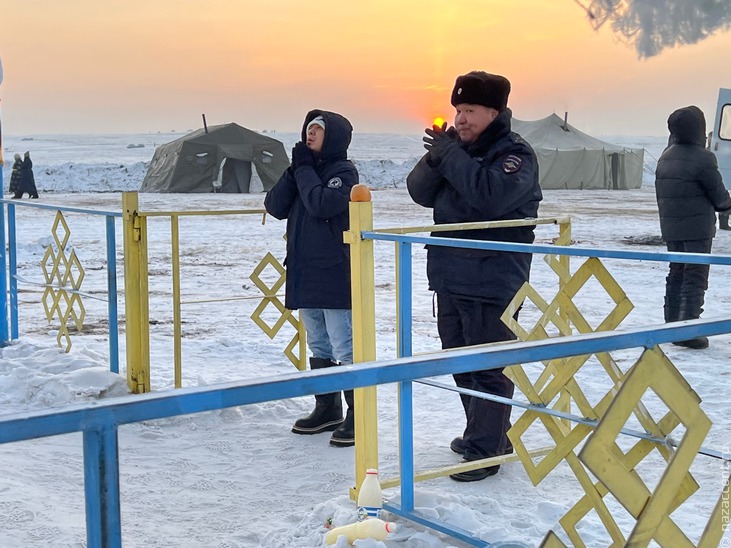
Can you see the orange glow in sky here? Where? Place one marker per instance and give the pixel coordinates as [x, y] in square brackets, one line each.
[86, 66]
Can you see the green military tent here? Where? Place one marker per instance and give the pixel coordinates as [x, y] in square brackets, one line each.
[571, 159]
[223, 158]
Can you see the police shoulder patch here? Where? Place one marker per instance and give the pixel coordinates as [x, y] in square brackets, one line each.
[335, 182]
[512, 163]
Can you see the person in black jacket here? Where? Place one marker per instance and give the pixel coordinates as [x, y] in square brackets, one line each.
[689, 191]
[478, 170]
[314, 195]
[16, 176]
[27, 180]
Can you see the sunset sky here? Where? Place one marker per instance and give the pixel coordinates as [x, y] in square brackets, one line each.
[83, 66]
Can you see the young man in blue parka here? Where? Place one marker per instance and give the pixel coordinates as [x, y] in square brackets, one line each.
[479, 170]
[313, 195]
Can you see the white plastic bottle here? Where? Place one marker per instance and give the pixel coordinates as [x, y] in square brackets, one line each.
[371, 528]
[370, 497]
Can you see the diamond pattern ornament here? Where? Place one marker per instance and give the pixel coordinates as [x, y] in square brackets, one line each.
[271, 299]
[65, 233]
[593, 268]
[63, 338]
[268, 261]
[63, 275]
[557, 384]
[616, 469]
[593, 500]
[284, 316]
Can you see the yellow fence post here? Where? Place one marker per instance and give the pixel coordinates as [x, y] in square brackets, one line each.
[136, 298]
[177, 317]
[364, 329]
[564, 239]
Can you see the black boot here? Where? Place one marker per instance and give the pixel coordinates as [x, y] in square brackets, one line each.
[344, 436]
[691, 309]
[699, 343]
[328, 412]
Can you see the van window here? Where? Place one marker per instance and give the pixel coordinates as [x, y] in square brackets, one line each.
[724, 130]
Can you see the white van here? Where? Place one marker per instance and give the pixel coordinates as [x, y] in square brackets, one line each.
[720, 143]
[721, 140]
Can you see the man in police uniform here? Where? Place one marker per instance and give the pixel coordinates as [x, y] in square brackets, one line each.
[478, 170]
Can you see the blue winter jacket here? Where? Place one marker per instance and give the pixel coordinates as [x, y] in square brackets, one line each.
[315, 202]
[492, 179]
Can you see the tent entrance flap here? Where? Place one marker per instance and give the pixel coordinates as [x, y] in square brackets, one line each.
[614, 158]
[234, 176]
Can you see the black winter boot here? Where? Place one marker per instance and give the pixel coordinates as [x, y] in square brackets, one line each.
[344, 436]
[691, 309]
[328, 412]
[699, 343]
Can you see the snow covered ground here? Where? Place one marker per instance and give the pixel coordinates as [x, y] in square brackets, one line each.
[239, 477]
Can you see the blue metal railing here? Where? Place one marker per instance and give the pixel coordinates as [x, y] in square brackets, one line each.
[9, 328]
[99, 421]
[405, 401]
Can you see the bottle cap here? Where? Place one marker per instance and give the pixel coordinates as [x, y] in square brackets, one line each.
[371, 471]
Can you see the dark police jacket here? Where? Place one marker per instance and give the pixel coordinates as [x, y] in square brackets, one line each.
[688, 185]
[315, 202]
[494, 178]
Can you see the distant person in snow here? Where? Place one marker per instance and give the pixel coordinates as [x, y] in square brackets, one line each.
[16, 175]
[689, 191]
[313, 194]
[27, 180]
[478, 170]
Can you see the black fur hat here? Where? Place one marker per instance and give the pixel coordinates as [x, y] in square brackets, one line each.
[480, 88]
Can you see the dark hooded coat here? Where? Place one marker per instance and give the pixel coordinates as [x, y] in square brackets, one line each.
[27, 179]
[16, 177]
[315, 202]
[479, 182]
[688, 185]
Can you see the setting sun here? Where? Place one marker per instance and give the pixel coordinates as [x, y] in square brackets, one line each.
[110, 74]
[439, 121]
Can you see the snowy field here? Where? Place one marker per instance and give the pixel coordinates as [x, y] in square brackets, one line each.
[239, 477]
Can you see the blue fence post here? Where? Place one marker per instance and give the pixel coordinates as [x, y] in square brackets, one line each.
[406, 410]
[101, 487]
[12, 272]
[4, 338]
